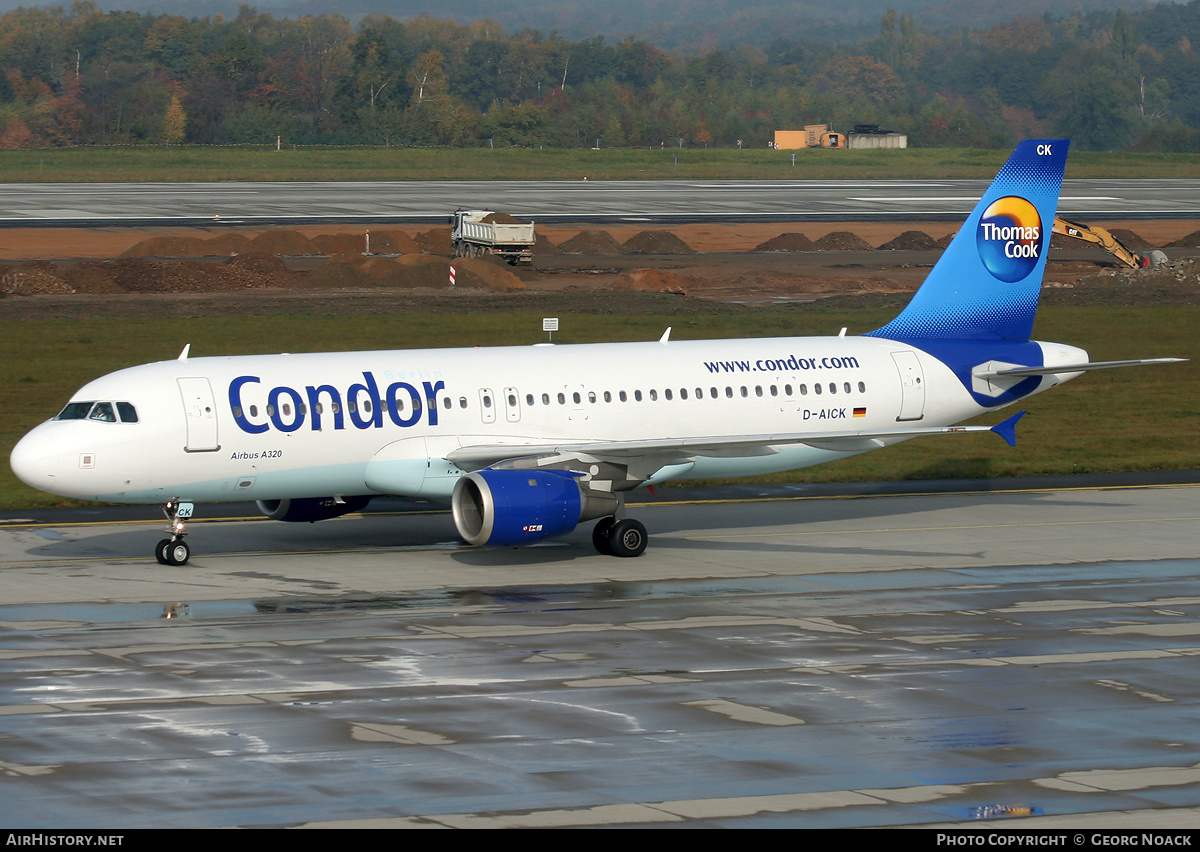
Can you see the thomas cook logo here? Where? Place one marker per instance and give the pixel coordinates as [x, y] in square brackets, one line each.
[1009, 238]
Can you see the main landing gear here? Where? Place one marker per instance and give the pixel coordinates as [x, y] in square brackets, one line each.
[174, 550]
[624, 537]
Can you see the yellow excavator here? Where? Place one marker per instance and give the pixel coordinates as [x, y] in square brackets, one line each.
[1106, 241]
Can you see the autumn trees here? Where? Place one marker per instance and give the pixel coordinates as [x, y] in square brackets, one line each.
[77, 75]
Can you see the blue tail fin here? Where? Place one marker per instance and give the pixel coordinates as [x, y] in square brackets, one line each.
[986, 284]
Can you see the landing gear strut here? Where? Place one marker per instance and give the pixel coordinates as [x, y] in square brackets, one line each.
[174, 550]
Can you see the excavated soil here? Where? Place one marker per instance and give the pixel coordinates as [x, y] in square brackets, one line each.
[790, 241]
[591, 242]
[698, 267]
[1191, 240]
[656, 242]
[911, 241]
[841, 241]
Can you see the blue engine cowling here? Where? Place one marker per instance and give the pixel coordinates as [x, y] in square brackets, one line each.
[309, 509]
[507, 508]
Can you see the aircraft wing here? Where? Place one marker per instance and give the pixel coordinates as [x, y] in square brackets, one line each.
[663, 451]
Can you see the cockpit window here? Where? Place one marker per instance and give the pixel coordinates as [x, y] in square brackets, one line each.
[105, 412]
[75, 411]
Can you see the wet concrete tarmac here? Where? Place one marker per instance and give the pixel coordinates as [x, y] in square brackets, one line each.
[826, 662]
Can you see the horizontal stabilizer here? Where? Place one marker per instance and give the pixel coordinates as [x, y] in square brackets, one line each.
[1072, 368]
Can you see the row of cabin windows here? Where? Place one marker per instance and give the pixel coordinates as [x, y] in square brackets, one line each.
[576, 397]
[669, 394]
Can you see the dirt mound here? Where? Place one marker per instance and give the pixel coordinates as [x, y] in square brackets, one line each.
[91, 277]
[1061, 241]
[339, 243]
[1192, 240]
[591, 242]
[393, 242]
[265, 270]
[1132, 239]
[137, 275]
[946, 240]
[436, 241]
[494, 275]
[33, 279]
[408, 272]
[168, 246]
[841, 241]
[279, 241]
[911, 241]
[790, 241]
[224, 245]
[1171, 283]
[498, 218]
[656, 242]
[653, 280]
[542, 245]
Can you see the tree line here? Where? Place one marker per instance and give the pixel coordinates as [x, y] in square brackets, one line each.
[79, 76]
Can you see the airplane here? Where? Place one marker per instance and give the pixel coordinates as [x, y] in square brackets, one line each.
[528, 442]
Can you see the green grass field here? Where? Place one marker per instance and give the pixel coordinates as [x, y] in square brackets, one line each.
[1133, 419]
[247, 163]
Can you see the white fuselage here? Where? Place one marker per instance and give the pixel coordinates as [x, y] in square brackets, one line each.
[273, 427]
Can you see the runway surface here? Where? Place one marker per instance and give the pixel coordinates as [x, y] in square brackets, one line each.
[562, 201]
[796, 661]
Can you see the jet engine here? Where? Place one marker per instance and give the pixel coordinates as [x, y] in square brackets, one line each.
[514, 507]
[309, 509]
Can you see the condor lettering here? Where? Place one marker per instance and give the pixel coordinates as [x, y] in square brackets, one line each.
[325, 406]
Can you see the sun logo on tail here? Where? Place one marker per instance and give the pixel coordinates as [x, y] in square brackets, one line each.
[1009, 238]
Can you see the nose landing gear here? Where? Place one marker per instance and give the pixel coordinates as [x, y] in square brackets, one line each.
[174, 550]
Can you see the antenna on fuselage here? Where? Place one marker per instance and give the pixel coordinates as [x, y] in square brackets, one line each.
[183, 355]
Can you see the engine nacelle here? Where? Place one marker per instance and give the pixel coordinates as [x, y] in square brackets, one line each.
[309, 509]
[507, 508]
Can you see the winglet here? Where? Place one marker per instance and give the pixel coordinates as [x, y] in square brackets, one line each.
[1008, 428]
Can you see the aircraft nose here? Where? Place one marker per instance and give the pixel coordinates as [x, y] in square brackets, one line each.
[35, 460]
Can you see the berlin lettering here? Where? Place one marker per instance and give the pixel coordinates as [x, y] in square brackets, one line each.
[322, 406]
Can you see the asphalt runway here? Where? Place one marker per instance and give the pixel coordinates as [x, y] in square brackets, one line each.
[786, 659]
[232, 203]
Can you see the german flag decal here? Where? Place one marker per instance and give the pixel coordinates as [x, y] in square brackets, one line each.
[860, 412]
